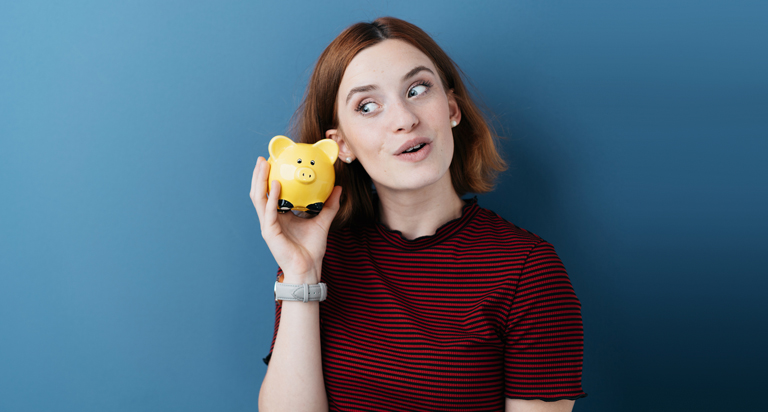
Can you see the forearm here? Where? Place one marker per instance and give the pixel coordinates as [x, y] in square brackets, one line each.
[294, 379]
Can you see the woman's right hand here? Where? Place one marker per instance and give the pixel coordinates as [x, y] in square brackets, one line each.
[297, 244]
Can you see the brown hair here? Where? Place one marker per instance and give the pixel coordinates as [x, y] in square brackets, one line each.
[476, 161]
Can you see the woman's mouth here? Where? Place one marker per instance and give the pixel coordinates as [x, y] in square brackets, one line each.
[415, 148]
[415, 153]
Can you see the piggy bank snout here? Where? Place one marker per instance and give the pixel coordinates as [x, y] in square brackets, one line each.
[305, 175]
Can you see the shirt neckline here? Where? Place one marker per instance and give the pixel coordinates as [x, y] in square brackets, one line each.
[448, 229]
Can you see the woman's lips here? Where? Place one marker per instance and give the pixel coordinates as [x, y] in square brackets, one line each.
[416, 155]
[411, 143]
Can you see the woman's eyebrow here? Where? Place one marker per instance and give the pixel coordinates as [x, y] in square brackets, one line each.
[361, 89]
[416, 70]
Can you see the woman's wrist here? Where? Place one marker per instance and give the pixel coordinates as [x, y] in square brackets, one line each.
[309, 278]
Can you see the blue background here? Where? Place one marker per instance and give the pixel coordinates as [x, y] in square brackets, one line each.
[132, 272]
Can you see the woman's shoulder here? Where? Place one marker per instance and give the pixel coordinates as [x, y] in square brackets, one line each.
[488, 221]
[350, 236]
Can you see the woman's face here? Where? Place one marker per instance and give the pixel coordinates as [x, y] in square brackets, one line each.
[395, 117]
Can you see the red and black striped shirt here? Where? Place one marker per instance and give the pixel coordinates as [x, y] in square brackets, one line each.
[478, 312]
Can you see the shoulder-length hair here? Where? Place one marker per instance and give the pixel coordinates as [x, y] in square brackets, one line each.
[476, 160]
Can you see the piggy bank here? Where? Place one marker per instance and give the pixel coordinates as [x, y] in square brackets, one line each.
[305, 172]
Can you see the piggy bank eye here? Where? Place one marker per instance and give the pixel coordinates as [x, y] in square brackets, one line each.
[312, 162]
[298, 161]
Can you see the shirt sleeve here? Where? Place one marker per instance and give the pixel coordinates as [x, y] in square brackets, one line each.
[277, 325]
[544, 332]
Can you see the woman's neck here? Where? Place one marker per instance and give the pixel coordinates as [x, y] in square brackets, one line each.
[419, 213]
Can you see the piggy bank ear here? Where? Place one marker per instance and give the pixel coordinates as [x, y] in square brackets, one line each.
[329, 147]
[278, 144]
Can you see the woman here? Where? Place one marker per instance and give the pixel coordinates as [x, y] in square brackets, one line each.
[433, 303]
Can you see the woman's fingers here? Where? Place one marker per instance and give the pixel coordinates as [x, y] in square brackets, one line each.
[330, 208]
[271, 205]
[259, 187]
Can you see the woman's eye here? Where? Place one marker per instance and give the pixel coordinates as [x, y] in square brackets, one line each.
[417, 90]
[366, 108]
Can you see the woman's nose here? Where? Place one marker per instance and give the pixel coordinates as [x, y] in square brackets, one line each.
[404, 118]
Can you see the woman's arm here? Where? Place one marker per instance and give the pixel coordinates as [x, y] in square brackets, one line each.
[522, 405]
[294, 379]
[545, 338]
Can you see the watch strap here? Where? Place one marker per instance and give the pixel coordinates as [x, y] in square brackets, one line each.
[304, 292]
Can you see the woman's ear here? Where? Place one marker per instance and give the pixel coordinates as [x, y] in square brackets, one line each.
[454, 112]
[345, 152]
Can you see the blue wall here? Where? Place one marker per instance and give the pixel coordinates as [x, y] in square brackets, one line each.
[132, 272]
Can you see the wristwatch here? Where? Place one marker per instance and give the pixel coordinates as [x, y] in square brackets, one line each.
[304, 293]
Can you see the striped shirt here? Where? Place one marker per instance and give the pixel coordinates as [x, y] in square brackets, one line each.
[480, 311]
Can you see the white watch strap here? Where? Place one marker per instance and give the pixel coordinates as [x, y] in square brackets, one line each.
[304, 293]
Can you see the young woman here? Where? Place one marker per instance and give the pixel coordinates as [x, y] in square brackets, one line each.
[433, 303]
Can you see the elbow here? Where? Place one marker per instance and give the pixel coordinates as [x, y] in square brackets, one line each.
[264, 401]
[262, 406]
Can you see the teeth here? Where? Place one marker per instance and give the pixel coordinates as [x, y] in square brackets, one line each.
[418, 146]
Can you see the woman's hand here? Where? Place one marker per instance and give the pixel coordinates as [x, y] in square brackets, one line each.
[297, 244]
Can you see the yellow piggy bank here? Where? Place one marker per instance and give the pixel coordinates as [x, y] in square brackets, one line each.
[305, 172]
